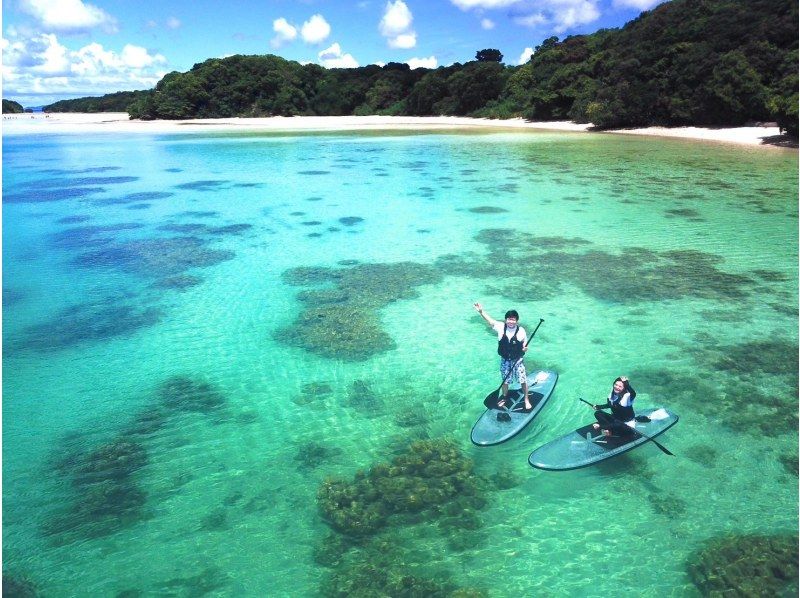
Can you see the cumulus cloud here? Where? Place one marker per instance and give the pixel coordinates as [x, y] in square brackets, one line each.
[557, 15]
[637, 4]
[68, 16]
[315, 30]
[425, 63]
[333, 58]
[284, 32]
[395, 25]
[487, 24]
[532, 21]
[404, 41]
[525, 56]
[42, 70]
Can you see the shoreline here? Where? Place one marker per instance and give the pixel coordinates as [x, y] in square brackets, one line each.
[767, 135]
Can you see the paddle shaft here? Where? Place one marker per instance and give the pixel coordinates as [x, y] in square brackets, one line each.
[653, 440]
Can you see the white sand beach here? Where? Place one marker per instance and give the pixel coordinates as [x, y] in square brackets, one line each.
[767, 135]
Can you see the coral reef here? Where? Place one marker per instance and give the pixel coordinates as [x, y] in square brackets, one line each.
[631, 276]
[107, 496]
[157, 258]
[184, 394]
[341, 321]
[88, 322]
[312, 454]
[667, 504]
[363, 399]
[15, 586]
[487, 210]
[746, 565]
[703, 454]
[431, 475]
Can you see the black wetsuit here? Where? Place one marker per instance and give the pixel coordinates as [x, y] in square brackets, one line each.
[620, 414]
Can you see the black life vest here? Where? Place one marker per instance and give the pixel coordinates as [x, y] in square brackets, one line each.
[510, 348]
[625, 414]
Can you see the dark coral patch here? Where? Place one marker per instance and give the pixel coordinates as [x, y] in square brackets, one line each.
[89, 236]
[178, 282]
[350, 220]
[107, 497]
[630, 276]
[314, 172]
[184, 394]
[158, 258]
[682, 213]
[203, 185]
[88, 322]
[487, 210]
[431, 476]
[745, 565]
[81, 182]
[341, 320]
[134, 197]
[73, 219]
[49, 194]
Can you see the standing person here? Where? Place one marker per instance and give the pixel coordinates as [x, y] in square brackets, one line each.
[620, 401]
[511, 346]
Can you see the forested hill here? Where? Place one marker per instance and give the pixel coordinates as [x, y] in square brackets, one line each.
[686, 62]
[111, 102]
[12, 107]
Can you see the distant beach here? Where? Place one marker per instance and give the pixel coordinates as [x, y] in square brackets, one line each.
[767, 135]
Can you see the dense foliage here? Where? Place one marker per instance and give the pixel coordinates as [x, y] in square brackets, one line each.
[112, 102]
[686, 62]
[12, 107]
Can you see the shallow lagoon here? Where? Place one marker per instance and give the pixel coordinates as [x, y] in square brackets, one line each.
[199, 330]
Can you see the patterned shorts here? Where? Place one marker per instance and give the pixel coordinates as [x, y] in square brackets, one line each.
[518, 375]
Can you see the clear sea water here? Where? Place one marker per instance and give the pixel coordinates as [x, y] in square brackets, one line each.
[152, 281]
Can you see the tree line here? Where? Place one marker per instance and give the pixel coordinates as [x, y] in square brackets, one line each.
[686, 62]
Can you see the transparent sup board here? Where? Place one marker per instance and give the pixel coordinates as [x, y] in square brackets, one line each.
[586, 446]
[488, 430]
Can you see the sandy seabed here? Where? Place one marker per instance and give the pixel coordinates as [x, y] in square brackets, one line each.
[767, 135]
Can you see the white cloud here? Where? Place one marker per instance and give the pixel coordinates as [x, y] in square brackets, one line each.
[405, 41]
[315, 30]
[525, 56]
[395, 25]
[68, 16]
[333, 58]
[138, 58]
[39, 69]
[637, 4]
[575, 13]
[425, 63]
[558, 15]
[396, 19]
[173, 23]
[487, 24]
[285, 32]
[531, 21]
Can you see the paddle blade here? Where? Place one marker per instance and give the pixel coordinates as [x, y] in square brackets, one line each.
[490, 402]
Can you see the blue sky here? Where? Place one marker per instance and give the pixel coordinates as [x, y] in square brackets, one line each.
[57, 49]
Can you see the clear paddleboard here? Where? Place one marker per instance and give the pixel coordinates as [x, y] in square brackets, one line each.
[491, 429]
[586, 446]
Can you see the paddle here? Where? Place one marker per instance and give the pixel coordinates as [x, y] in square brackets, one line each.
[653, 440]
[492, 398]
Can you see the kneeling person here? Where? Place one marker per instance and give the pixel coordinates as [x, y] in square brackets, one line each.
[622, 420]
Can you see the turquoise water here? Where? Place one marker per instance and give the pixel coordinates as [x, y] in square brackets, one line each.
[198, 330]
